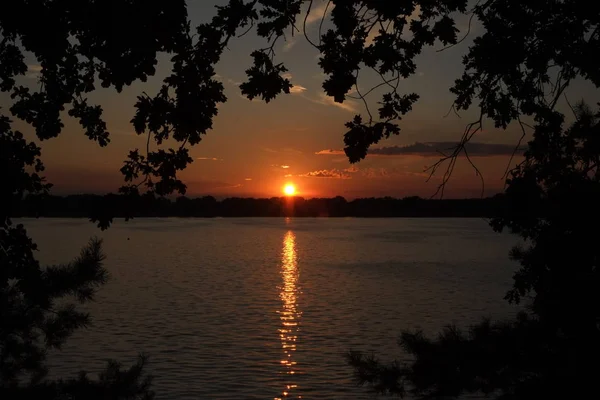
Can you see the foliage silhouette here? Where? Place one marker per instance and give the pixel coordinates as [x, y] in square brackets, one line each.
[75, 43]
[521, 65]
[548, 352]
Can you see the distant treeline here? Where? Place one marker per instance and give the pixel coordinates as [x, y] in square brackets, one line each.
[149, 206]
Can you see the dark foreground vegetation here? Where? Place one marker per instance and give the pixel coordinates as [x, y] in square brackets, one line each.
[526, 66]
[83, 206]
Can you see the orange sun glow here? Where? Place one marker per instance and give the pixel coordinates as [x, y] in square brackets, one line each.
[289, 189]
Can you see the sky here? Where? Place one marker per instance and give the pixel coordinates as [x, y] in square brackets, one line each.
[254, 149]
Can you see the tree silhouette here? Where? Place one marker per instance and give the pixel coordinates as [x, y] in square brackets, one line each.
[520, 66]
[549, 351]
[76, 43]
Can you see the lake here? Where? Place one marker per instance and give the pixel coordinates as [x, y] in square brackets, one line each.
[266, 308]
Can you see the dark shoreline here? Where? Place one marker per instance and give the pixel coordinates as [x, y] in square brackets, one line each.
[118, 206]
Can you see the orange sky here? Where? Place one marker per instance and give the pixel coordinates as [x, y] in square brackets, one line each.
[243, 155]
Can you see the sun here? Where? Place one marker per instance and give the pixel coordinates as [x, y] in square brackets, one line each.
[289, 189]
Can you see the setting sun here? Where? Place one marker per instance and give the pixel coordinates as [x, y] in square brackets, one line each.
[289, 189]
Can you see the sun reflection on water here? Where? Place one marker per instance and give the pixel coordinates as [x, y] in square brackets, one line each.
[289, 313]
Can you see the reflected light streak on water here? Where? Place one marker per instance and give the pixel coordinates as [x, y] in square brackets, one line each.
[289, 313]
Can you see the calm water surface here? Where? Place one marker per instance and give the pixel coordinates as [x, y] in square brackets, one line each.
[266, 308]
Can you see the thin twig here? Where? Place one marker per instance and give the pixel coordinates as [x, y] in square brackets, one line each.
[512, 156]
[247, 30]
[477, 172]
[452, 108]
[461, 40]
[570, 106]
[470, 130]
[364, 100]
[375, 88]
[322, 20]
[304, 25]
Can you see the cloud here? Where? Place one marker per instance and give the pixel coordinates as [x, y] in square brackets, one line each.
[331, 152]
[254, 100]
[383, 173]
[285, 166]
[289, 44]
[248, 179]
[324, 173]
[374, 173]
[435, 149]
[33, 71]
[317, 13]
[280, 166]
[208, 159]
[297, 89]
[347, 105]
[322, 99]
[287, 175]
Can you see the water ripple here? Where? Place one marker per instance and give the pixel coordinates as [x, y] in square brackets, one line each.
[266, 308]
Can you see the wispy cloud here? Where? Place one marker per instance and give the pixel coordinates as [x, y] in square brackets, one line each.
[374, 173]
[347, 105]
[323, 99]
[248, 179]
[280, 166]
[371, 172]
[327, 173]
[382, 173]
[290, 43]
[33, 71]
[285, 166]
[430, 149]
[330, 152]
[208, 159]
[318, 12]
[297, 89]
[437, 149]
[287, 175]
